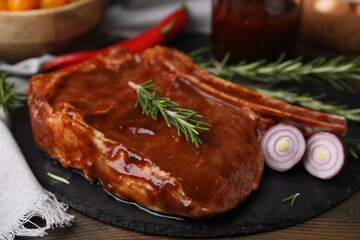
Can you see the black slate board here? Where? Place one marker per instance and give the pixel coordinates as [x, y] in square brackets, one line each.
[262, 211]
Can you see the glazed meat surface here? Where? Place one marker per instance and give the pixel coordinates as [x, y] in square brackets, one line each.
[87, 120]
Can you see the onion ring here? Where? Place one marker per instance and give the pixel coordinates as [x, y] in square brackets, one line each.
[325, 156]
[283, 147]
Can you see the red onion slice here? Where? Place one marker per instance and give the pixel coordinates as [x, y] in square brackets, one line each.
[283, 147]
[325, 156]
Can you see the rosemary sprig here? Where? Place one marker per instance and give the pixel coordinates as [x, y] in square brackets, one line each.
[185, 120]
[9, 98]
[312, 102]
[291, 198]
[319, 70]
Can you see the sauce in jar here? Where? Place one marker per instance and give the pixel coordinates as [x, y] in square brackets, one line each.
[254, 29]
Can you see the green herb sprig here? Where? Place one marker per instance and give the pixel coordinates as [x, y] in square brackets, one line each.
[319, 70]
[185, 120]
[9, 98]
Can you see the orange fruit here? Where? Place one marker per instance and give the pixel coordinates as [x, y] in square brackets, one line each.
[53, 3]
[3, 5]
[22, 5]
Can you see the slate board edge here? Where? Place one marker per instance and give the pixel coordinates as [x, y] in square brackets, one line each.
[164, 230]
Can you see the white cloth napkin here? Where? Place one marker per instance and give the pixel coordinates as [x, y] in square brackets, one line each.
[27, 67]
[21, 196]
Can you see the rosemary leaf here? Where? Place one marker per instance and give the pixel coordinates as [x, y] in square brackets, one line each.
[185, 120]
[57, 178]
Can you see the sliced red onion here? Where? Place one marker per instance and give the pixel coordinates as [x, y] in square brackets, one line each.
[325, 156]
[283, 147]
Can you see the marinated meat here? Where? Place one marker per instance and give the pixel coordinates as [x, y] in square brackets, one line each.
[87, 120]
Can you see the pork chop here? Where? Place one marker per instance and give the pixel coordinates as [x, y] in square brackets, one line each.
[87, 120]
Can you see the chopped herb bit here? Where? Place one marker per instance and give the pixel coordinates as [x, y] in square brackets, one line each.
[57, 178]
[292, 198]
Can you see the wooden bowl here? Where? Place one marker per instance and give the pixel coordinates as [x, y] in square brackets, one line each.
[332, 25]
[57, 30]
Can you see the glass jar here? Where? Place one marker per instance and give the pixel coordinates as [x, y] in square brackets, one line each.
[254, 29]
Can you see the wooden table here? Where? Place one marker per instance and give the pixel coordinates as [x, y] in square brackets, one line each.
[341, 222]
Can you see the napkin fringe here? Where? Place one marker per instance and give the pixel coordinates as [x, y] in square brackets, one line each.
[48, 208]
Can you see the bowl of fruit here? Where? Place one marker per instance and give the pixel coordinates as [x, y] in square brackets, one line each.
[30, 28]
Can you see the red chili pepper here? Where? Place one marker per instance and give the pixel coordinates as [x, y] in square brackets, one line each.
[163, 32]
[68, 67]
[71, 57]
